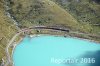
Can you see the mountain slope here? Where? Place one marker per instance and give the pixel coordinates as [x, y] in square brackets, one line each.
[84, 11]
[43, 12]
[7, 30]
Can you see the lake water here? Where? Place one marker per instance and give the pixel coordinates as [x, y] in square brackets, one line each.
[56, 51]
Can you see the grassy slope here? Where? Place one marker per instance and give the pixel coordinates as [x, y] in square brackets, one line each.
[85, 11]
[44, 12]
[7, 30]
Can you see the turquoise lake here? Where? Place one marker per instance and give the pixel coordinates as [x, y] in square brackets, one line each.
[56, 51]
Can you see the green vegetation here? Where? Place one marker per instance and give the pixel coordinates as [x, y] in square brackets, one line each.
[85, 11]
[43, 12]
[76, 15]
[7, 30]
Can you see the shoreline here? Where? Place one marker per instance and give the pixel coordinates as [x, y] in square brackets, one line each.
[14, 46]
[65, 36]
